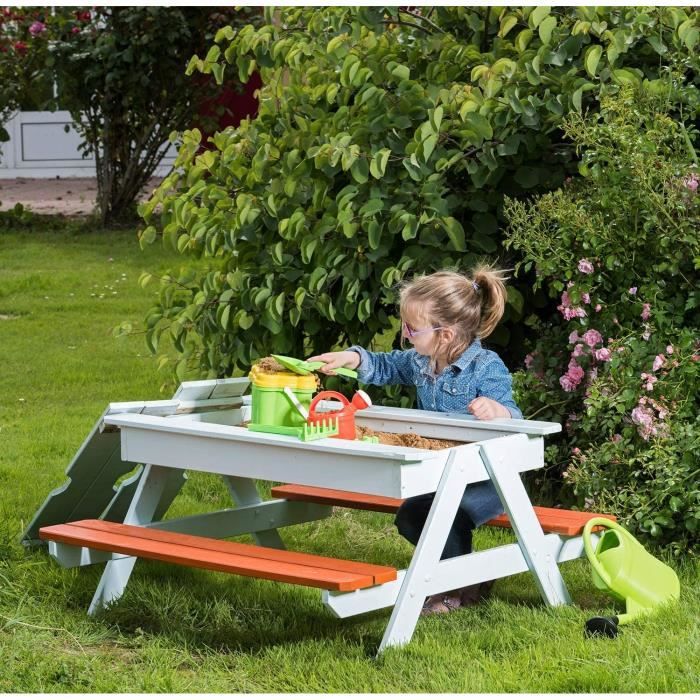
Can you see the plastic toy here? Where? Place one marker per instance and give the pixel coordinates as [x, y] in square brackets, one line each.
[303, 367]
[271, 402]
[623, 567]
[346, 415]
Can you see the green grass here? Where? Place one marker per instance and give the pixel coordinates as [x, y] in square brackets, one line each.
[180, 630]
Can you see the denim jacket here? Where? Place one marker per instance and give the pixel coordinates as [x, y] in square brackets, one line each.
[476, 372]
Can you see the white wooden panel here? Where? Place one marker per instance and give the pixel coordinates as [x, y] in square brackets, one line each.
[50, 141]
[476, 429]
[485, 565]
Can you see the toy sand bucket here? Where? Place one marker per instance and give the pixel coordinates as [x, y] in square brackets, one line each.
[628, 572]
[271, 406]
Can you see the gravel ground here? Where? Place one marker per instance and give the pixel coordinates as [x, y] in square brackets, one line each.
[67, 196]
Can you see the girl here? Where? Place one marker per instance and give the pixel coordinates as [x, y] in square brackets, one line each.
[444, 316]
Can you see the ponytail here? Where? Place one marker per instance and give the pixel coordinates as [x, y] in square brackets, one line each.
[489, 283]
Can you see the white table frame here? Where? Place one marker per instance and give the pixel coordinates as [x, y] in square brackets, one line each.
[205, 440]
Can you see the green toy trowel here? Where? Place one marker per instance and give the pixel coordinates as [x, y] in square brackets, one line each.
[304, 367]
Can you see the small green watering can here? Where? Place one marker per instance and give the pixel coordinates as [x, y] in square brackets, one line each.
[623, 567]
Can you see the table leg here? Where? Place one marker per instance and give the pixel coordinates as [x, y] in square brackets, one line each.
[416, 582]
[540, 560]
[154, 482]
[245, 493]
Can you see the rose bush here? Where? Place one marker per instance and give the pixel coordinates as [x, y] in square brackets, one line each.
[618, 251]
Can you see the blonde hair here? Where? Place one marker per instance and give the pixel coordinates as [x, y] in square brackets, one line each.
[471, 305]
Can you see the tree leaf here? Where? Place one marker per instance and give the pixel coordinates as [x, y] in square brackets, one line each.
[455, 233]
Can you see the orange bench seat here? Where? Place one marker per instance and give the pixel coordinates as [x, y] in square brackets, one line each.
[557, 520]
[220, 555]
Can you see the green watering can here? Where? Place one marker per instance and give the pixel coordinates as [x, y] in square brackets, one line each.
[629, 573]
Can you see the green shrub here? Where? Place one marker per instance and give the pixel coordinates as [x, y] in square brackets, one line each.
[619, 363]
[385, 142]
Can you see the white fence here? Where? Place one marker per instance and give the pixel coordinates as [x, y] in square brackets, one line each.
[45, 145]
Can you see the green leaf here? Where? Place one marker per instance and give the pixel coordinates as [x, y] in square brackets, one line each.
[455, 233]
[537, 15]
[401, 72]
[622, 76]
[372, 207]
[360, 171]
[378, 165]
[546, 27]
[374, 234]
[591, 59]
[507, 23]
[480, 124]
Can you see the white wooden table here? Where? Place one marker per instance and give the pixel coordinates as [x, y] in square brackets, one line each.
[204, 434]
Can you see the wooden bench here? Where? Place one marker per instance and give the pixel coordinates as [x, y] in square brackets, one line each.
[220, 555]
[568, 523]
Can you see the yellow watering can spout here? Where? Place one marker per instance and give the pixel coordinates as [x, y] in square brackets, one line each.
[628, 572]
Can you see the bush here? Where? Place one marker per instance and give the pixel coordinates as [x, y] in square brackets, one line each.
[385, 141]
[620, 252]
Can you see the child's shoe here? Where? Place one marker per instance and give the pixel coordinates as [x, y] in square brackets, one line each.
[441, 603]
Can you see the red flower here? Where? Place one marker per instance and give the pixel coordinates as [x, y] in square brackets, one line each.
[21, 47]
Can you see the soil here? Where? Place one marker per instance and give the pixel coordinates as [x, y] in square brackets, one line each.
[407, 439]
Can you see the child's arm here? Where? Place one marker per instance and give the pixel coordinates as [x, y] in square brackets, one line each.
[378, 368]
[494, 392]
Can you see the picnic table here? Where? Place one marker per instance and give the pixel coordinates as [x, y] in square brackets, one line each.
[90, 520]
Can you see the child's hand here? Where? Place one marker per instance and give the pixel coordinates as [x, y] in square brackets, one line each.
[486, 409]
[333, 360]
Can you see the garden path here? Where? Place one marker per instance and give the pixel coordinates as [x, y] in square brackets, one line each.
[73, 196]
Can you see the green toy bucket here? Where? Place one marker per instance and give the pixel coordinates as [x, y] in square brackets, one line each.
[627, 571]
[271, 406]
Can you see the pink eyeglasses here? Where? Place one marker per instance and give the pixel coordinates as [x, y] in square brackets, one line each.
[411, 333]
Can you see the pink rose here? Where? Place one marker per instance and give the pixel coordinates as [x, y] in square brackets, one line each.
[659, 361]
[669, 349]
[575, 371]
[586, 297]
[646, 312]
[632, 290]
[567, 384]
[691, 182]
[616, 437]
[578, 350]
[592, 337]
[598, 307]
[585, 266]
[573, 337]
[603, 355]
[529, 359]
[648, 381]
[37, 28]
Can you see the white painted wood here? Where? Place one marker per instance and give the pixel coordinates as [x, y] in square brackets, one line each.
[419, 420]
[230, 522]
[497, 457]
[485, 565]
[245, 493]
[146, 501]
[419, 577]
[46, 145]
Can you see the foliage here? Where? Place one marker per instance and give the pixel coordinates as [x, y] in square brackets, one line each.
[120, 71]
[385, 142]
[25, 34]
[619, 249]
[122, 78]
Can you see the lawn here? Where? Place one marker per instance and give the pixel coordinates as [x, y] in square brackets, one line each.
[62, 291]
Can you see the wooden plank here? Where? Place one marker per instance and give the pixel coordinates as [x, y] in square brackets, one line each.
[334, 497]
[217, 555]
[556, 520]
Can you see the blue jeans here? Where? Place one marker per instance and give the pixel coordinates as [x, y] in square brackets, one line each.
[479, 504]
